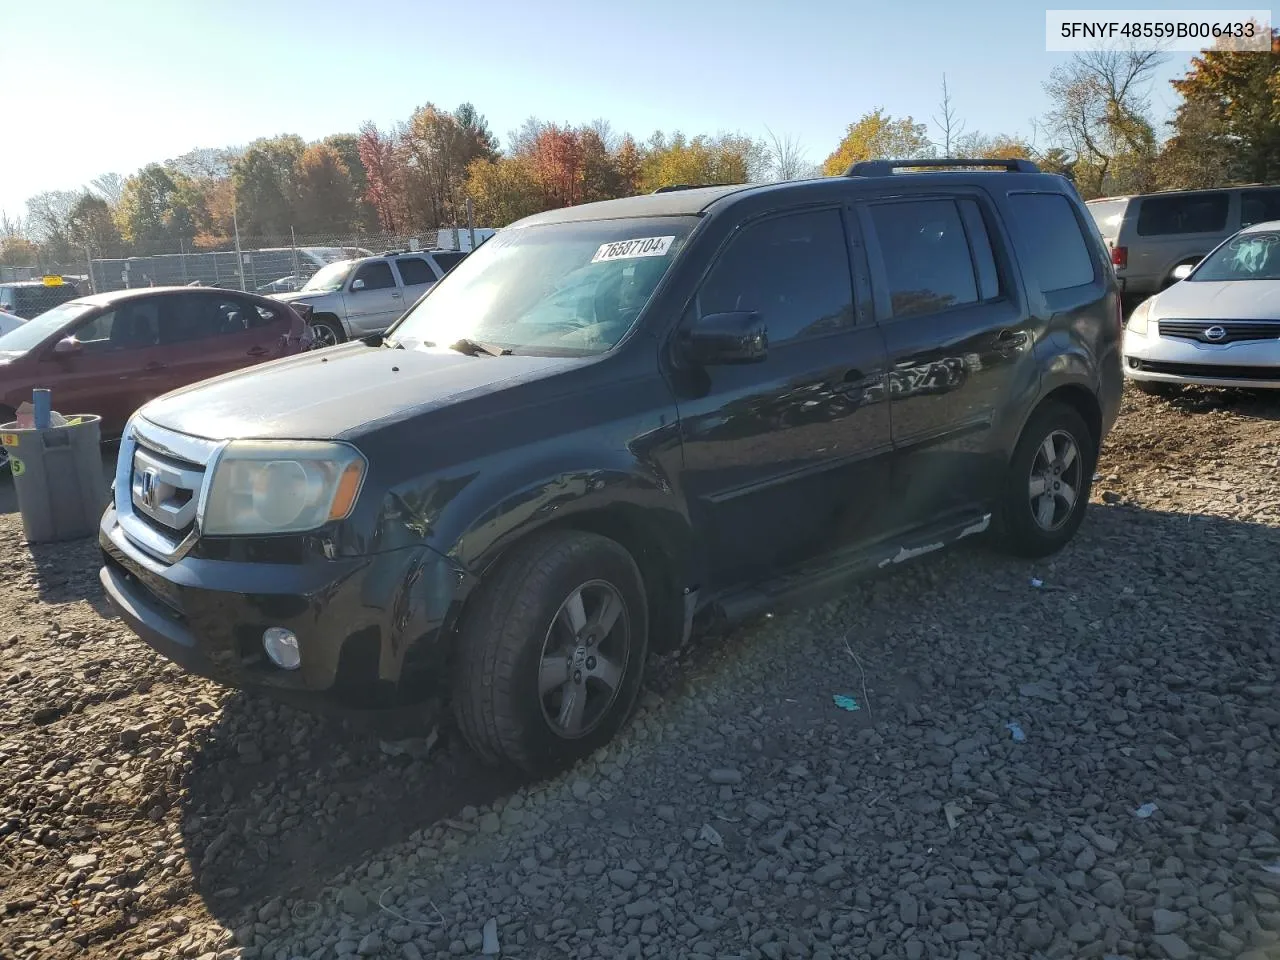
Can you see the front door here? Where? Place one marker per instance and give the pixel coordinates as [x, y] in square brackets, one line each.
[374, 299]
[119, 366]
[959, 348]
[788, 457]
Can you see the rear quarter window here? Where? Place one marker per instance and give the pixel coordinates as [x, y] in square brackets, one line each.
[1188, 213]
[1055, 249]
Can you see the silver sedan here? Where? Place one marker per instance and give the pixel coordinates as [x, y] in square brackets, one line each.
[1219, 325]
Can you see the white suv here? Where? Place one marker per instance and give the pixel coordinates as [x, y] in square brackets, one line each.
[356, 298]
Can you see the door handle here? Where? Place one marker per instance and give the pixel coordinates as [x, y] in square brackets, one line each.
[395, 296]
[852, 381]
[1011, 338]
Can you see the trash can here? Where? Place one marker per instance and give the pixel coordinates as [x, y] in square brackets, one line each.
[57, 476]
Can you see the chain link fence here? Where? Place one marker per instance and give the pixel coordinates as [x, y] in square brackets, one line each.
[264, 264]
[261, 264]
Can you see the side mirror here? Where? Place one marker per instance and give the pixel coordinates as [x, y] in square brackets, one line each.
[67, 346]
[357, 284]
[1183, 270]
[723, 338]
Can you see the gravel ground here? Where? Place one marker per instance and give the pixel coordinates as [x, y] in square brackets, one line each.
[1130, 813]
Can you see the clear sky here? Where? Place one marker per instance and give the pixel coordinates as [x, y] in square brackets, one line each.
[123, 83]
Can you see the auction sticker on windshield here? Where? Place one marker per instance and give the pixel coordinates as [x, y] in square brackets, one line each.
[643, 247]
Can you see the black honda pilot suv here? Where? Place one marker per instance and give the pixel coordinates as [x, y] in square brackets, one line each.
[615, 418]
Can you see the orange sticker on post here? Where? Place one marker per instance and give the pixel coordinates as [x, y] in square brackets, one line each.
[8, 439]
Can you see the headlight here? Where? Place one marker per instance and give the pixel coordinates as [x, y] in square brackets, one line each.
[1138, 319]
[266, 486]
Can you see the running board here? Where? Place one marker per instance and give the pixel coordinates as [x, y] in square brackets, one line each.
[821, 579]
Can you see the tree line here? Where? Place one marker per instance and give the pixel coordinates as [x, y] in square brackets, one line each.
[419, 175]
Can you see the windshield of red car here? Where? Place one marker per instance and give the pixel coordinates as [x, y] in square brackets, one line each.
[39, 329]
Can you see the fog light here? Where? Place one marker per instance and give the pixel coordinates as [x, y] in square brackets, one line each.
[282, 647]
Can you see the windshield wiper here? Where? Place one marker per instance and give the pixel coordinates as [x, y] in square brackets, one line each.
[473, 348]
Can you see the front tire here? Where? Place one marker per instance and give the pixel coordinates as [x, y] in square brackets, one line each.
[327, 332]
[1047, 483]
[551, 653]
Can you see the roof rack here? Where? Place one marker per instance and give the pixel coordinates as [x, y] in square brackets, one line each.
[690, 186]
[884, 168]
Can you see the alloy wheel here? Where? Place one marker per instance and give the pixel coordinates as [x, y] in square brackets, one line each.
[584, 658]
[1055, 480]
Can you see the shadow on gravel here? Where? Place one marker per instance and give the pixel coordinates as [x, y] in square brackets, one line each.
[279, 800]
[1253, 404]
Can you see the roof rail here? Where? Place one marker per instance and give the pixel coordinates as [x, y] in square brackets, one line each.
[672, 188]
[884, 168]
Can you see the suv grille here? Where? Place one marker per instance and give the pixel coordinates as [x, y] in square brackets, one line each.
[159, 477]
[1233, 331]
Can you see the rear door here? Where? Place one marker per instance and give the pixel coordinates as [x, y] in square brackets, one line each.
[214, 333]
[958, 342]
[787, 458]
[374, 298]
[417, 277]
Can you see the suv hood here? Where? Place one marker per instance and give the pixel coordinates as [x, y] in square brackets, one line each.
[339, 392]
[299, 295]
[1219, 300]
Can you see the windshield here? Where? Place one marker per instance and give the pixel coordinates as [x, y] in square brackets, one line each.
[330, 278]
[1248, 256]
[37, 330]
[562, 288]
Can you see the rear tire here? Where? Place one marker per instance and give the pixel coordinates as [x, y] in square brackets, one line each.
[327, 332]
[1047, 483]
[542, 679]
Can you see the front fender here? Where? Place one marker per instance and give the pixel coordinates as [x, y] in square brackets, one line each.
[492, 516]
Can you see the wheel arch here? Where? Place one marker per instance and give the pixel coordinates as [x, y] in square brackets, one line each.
[634, 510]
[333, 319]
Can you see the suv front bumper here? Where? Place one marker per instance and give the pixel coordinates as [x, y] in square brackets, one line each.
[362, 623]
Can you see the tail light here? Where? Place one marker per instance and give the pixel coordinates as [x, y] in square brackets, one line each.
[1119, 257]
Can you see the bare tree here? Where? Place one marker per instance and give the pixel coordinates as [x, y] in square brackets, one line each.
[11, 228]
[951, 129]
[109, 186]
[786, 157]
[1100, 111]
[603, 129]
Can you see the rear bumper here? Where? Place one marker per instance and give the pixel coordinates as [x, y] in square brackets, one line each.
[369, 628]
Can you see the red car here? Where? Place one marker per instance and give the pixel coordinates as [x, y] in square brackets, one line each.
[110, 353]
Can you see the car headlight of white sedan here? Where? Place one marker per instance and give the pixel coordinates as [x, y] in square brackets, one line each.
[1138, 319]
[269, 486]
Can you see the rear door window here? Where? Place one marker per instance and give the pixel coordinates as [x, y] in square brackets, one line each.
[926, 255]
[447, 261]
[415, 271]
[1184, 213]
[1058, 254]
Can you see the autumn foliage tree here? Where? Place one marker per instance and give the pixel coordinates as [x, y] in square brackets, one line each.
[878, 136]
[385, 172]
[1227, 126]
[326, 200]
